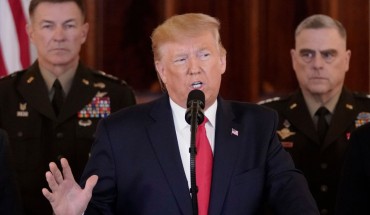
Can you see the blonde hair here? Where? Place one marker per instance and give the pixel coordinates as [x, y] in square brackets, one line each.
[180, 27]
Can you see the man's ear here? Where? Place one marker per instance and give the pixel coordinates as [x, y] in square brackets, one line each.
[223, 63]
[29, 31]
[85, 31]
[160, 70]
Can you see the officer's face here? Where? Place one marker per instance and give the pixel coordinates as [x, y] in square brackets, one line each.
[192, 63]
[58, 31]
[320, 61]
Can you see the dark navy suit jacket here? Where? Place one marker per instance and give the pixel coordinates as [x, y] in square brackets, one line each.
[137, 159]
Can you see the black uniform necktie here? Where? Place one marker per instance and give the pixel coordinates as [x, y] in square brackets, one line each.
[322, 124]
[58, 97]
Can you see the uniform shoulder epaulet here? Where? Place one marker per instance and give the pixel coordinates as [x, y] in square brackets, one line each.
[269, 100]
[361, 95]
[12, 75]
[110, 77]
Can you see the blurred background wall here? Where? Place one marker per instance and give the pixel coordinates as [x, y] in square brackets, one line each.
[257, 34]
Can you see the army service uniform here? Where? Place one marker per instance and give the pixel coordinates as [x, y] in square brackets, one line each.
[37, 136]
[320, 163]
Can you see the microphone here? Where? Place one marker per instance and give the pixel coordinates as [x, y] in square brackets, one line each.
[195, 106]
[194, 116]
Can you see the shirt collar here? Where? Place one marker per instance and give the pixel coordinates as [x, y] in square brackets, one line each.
[178, 113]
[313, 106]
[65, 79]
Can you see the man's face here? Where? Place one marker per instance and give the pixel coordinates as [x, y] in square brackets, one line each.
[192, 63]
[58, 31]
[320, 61]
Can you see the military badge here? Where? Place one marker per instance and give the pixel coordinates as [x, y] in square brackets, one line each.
[84, 122]
[22, 112]
[99, 107]
[362, 118]
[287, 144]
[285, 132]
[348, 135]
[99, 85]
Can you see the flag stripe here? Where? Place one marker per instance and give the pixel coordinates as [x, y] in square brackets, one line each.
[20, 20]
[2, 64]
[16, 51]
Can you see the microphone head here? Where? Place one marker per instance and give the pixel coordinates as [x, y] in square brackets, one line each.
[196, 95]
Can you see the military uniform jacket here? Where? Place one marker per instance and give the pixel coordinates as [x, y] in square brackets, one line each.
[37, 136]
[321, 164]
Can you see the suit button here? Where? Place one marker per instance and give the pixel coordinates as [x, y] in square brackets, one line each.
[19, 134]
[324, 211]
[324, 165]
[324, 188]
[59, 135]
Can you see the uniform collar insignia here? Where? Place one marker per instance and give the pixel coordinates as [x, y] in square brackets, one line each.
[30, 79]
[85, 81]
[349, 106]
[294, 105]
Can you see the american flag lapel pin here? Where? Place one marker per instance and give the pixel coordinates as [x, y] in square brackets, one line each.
[234, 132]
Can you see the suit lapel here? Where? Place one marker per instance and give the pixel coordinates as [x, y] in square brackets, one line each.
[81, 94]
[226, 149]
[163, 137]
[344, 116]
[34, 90]
[299, 117]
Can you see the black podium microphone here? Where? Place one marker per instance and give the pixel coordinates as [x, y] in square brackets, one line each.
[195, 106]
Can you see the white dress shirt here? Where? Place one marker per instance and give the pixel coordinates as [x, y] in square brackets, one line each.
[183, 132]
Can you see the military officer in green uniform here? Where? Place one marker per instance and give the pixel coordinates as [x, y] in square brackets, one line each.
[50, 110]
[316, 121]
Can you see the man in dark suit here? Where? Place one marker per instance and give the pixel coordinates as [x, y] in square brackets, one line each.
[9, 194]
[46, 120]
[354, 189]
[141, 154]
[318, 144]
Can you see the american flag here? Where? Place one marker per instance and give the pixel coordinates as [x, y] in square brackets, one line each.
[234, 132]
[16, 52]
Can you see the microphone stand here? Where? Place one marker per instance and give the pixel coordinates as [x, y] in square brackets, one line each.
[193, 152]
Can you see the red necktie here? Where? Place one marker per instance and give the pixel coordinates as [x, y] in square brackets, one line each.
[204, 163]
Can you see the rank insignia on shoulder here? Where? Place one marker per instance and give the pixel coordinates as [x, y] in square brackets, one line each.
[268, 100]
[22, 112]
[362, 119]
[99, 107]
